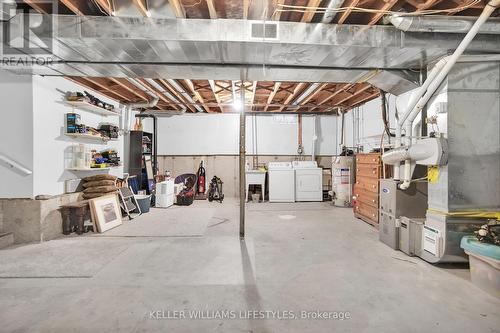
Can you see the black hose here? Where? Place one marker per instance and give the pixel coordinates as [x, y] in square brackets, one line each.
[384, 114]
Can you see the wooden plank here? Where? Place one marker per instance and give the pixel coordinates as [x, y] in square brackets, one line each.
[246, 5]
[387, 5]
[272, 94]
[211, 9]
[252, 98]
[313, 94]
[178, 8]
[277, 15]
[349, 3]
[36, 6]
[309, 13]
[73, 6]
[338, 91]
[160, 94]
[106, 90]
[130, 88]
[178, 95]
[212, 86]
[362, 88]
[141, 6]
[196, 94]
[106, 6]
[296, 90]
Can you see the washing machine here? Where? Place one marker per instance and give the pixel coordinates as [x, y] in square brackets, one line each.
[308, 181]
[281, 182]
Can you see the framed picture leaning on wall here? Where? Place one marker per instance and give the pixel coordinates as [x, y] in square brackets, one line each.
[106, 212]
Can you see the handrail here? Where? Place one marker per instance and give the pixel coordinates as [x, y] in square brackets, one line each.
[15, 165]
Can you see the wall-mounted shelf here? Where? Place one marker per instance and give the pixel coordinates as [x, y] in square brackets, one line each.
[87, 136]
[91, 108]
[88, 169]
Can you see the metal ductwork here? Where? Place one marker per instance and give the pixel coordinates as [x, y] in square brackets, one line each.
[141, 47]
[445, 24]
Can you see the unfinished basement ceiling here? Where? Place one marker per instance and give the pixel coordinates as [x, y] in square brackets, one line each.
[196, 62]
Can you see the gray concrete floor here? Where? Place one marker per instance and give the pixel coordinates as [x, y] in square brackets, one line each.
[296, 257]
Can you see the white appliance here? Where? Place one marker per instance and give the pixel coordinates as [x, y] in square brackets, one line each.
[165, 194]
[308, 181]
[281, 182]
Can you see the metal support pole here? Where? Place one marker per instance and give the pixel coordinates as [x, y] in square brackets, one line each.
[242, 162]
[423, 130]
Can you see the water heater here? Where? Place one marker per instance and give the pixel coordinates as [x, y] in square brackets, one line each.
[342, 180]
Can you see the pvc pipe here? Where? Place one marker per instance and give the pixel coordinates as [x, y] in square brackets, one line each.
[314, 139]
[442, 23]
[416, 152]
[436, 80]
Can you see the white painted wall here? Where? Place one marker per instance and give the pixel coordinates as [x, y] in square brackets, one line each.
[206, 134]
[16, 133]
[53, 149]
[33, 119]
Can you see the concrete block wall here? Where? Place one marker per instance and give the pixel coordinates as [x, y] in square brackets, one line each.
[34, 220]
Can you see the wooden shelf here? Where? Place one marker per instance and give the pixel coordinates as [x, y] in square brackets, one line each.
[91, 108]
[93, 169]
[87, 169]
[87, 136]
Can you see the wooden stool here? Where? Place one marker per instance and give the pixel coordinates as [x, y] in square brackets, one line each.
[73, 216]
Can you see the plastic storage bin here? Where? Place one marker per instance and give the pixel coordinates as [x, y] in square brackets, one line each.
[484, 260]
[144, 202]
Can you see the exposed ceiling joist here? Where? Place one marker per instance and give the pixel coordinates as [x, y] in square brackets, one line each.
[160, 94]
[196, 94]
[36, 5]
[313, 94]
[211, 9]
[130, 87]
[142, 7]
[349, 95]
[179, 10]
[212, 86]
[178, 95]
[277, 14]
[104, 87]
[246, 5]
[106, 6]
[350, 4]
[339, 90]
[272, 94]
[252, 96]
[363, 99]
[309, 13]
[73, 6]
[385, 5]
[290, 98]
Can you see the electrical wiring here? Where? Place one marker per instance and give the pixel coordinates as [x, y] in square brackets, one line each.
[191, 5]
[323, 10]
[99, 7]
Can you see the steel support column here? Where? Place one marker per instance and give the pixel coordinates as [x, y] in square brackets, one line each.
[243, 198]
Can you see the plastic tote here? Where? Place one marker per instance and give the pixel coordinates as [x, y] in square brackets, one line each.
[144, 202]
[484, 262]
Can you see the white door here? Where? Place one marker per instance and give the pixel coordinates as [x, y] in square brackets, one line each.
[309, 185]
[281, 186]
